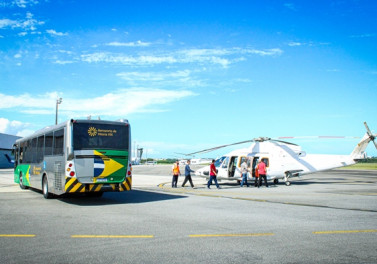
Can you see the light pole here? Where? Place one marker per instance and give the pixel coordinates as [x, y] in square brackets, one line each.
[58, 102]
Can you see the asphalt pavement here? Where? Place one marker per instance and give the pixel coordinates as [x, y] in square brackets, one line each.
[327, 217]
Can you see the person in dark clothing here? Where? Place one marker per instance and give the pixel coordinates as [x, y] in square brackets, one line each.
[188, 171]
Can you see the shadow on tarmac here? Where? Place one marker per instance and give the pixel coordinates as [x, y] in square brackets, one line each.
[110, 198]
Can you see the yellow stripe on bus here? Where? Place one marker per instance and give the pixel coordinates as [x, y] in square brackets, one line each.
[76, 187]
[69, 183]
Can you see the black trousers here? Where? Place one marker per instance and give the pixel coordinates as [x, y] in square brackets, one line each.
[262, 176]
[188, 178]
[256, 182]
[174, 181]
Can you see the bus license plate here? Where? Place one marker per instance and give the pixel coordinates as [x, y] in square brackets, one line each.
[101, 180]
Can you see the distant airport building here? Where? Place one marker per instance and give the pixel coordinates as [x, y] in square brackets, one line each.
[6, 157]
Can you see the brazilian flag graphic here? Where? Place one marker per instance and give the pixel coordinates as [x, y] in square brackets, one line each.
[105, 165]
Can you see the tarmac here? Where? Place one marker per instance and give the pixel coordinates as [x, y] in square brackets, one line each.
[343, 189]
[326, 217]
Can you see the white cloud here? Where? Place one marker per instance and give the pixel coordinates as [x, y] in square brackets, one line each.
[181, 79]
[14, 127]
[63, 62]
[19, 3]
[222, 57]
[265, 52]
[295, 44]
[126, 60]
[118, 103]
[54, 33]
[129, 44]
[28, 24]
[7, 23]
[27, 100]
[126, 101]
[307, 44]
[152, 76]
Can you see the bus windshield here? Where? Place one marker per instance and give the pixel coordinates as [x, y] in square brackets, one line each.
[100, 136]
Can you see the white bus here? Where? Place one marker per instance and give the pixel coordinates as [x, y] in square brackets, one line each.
[77, 156]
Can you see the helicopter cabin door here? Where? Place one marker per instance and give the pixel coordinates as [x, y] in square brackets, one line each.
[232, 166]
[254, 165]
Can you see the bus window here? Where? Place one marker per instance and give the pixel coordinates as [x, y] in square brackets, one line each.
[22, 151]
[40, 148]
[27, 152]
[58, 142]
[34, 150]
[48, 143]
[100, 136]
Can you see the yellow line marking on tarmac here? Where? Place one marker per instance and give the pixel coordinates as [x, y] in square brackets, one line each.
[233, 235]
[345, 231]
[15, 235]
[112, 236]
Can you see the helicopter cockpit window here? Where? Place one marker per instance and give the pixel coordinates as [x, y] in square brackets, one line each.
[219, 161]
[225, 163]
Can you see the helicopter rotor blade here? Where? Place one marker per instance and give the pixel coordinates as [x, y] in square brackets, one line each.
[285, 142]
[219, 147]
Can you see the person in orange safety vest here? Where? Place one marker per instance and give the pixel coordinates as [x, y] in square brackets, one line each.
[176, 173]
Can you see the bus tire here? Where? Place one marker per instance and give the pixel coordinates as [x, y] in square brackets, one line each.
[45, 192]
[21, 182]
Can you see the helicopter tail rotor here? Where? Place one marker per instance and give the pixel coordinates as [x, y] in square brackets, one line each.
[370, 134]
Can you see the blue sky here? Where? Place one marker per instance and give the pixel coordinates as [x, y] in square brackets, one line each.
[190, 75]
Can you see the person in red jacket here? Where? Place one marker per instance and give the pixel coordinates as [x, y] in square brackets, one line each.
[212, 175]
[262, 173]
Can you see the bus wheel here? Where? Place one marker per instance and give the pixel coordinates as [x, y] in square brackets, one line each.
[45, 192]
[21, 182]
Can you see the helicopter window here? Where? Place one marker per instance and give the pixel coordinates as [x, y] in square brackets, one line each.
[266, 161]
[245, 159]
[225, 163]
[219, 161]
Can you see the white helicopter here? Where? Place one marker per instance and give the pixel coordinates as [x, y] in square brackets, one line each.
[284, 160]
